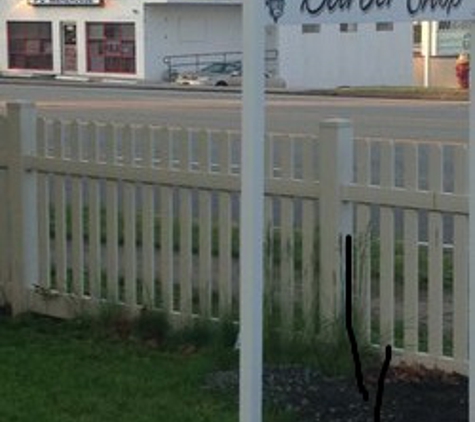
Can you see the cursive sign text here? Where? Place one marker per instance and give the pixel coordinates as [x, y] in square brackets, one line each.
[414, 7]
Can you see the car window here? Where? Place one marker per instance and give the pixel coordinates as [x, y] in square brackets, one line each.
[231, 67]
[222, 67]
[214, 68]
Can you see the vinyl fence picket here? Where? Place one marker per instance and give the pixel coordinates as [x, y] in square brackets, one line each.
[112, 218]
[287, 244]
[386, 306]
[4, 243]
[269, 227]
[435, 264]
[362, 243]
[182, 142]
[130, 217]
[95, 135]
[76, 135]
[205, 274]
[148, 224]
[162, 137]
[461, 241]
[411, 254]
[4, 226]
[309, 252]
[60, 228]
[44, 214]
[225, 227]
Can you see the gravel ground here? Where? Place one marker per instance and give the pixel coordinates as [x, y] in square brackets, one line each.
[410, 394]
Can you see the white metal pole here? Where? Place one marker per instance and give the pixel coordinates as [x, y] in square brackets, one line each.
[471, 285]
[252, 204]
[427, 27]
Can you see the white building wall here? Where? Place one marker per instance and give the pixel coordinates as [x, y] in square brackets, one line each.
[129, 11]
[331, 58]
[326, 59]
[173, 29]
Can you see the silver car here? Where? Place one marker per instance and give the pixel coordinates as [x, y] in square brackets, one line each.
[215, 74]
[222, 74]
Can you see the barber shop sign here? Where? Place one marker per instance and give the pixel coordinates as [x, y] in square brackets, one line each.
[308, 11]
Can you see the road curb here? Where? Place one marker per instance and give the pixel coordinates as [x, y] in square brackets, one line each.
[396, 93]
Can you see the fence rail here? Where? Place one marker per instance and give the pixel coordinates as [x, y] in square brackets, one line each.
[149, 216]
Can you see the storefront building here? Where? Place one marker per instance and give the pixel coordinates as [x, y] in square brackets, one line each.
[131, 38]
[109, 38]
[70, 37]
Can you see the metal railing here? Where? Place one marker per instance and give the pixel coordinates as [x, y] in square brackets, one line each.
[194, 62]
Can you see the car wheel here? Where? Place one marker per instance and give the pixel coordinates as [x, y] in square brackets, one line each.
[221, 83]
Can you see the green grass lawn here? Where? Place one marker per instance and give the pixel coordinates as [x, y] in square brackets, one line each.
[114, 368]
[54, 371]
[61, 371]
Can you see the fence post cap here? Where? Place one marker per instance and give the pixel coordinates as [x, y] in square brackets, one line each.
[17, 104]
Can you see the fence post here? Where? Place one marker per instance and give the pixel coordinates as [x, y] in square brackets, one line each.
[21, 203]
[336, 217]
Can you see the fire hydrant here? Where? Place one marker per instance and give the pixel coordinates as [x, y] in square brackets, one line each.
[462, 71]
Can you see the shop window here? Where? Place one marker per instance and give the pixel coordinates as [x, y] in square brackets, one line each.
[29, 45]
[311, 28]
[444, 25]
[111, 47]
[348, 27]
[384, 26]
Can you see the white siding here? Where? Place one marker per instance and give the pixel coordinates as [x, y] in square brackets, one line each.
[331, 58]
[188, 29]
[316, 60]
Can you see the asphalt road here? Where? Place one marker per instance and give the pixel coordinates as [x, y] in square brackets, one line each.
[286, 113]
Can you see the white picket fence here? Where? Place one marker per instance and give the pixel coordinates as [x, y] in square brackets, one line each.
[148, 216]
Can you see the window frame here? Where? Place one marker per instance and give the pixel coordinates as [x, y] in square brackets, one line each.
[33, 41]
[116, 54]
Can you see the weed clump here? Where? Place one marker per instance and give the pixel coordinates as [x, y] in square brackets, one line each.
[152, 327]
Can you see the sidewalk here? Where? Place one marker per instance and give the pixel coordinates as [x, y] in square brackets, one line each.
[407, 92]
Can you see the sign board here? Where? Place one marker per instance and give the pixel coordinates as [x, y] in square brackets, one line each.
[355, 11]
[65, 2]
[453, 38]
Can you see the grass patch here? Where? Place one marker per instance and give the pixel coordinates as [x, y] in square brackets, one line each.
[403, 92]
[78, 370]
[55, 371]
[112, 367]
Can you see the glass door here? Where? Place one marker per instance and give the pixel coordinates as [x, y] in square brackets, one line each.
[69, 47]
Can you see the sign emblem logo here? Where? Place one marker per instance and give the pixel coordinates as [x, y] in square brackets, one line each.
[276, 9]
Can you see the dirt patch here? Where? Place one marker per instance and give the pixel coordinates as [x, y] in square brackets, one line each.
[410, 394]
